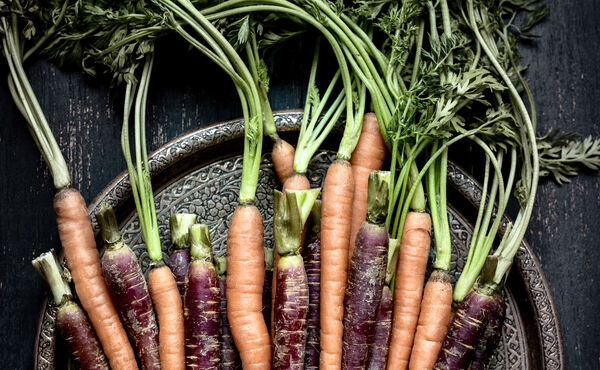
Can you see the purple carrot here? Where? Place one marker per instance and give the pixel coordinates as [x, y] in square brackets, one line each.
[128, 290]
[381, 341]
[268, 288]
[366, 276]
[202, 304]
[291, 309]
[71, 321]
[230, 358]
[312, 264]
[291, 292]
[465, 330]
[491, 336]
[179, 260]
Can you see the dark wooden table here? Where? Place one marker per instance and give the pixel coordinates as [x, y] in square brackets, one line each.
[188, 93]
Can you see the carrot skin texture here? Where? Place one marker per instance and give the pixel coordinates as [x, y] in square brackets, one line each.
[76, 330]
[434, 319]
[179, 260]
[245, 279]
[169, 311]
[408, 288]
[379, 350]
[202, 304]
[366, 276]
[490, 338]
[131, 297]
[230, 359]
[465, 330]
[367, 156]
[312, 264]
[291, 309]
[336, 212]
[283, 159]
[83, 260]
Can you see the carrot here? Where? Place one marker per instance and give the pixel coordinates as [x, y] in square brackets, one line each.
[408, 287]
[336, 213]
[433, 321]
[297, 181]
[366, 276]
[129, 290]
[283, 159]
[202, 303]
[366, 157]
[83, 260]
[245, 279]
[161, 282]
[71, 322]
[169, 310]
[437, 298]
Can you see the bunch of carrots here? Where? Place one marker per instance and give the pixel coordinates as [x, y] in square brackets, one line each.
[350, 291]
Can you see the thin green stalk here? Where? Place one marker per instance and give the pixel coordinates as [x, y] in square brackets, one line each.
[34, 116]
[139, 174]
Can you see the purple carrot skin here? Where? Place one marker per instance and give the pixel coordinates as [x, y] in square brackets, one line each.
[179, 260]
[230, 358]
[312, 265]
[71, 322]
[202, 305]
[491, 337]
[291, 309]
[268, 287]
[366, 276]
[465, 331]
[291, 291]
[128, 290]
[381, 341]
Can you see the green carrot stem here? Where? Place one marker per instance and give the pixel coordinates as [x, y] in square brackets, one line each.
[519, 230]
[269, 259]
[139, 174]
[28, 104]
[220, 265]
[393, 251]
[200, 245]
[109, 228]
[378, 196]
[290, 212]
[316, 217]
[432, 158]
[48, 266]
[179, 226]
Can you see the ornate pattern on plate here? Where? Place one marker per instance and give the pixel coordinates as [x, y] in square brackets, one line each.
[211, 192]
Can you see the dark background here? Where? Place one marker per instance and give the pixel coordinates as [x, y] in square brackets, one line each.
[187, 93]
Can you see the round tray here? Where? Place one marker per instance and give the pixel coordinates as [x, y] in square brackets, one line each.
[200, 172]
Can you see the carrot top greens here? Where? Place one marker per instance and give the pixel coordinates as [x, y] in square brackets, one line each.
[18, 30]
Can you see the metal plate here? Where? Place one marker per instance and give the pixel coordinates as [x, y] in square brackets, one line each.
[200, 173]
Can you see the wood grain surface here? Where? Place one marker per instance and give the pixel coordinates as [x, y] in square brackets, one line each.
[187, 92]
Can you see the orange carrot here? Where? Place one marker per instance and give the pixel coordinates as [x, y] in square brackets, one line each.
[408, 287]
[433, 321]
[79, 246]
[167, 302]
[366, 157]
[283, 159]
[245, 279]
[336, 213]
